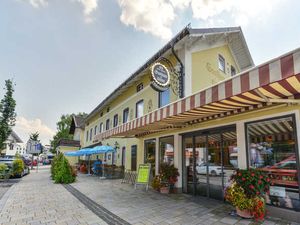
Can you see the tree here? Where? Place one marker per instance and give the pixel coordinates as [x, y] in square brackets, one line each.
[63, 129]
[34, 136]
[7, 112]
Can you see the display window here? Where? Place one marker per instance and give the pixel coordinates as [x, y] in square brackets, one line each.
[150, 154]
[166, 150]
[272, 147]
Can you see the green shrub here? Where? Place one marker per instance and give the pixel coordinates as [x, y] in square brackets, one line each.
[62, 171]
[3, 168]
[17, 167]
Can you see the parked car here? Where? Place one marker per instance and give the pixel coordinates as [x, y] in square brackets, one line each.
[213, 169]
[8, 160]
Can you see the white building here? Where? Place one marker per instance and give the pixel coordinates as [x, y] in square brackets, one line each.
[13, 145]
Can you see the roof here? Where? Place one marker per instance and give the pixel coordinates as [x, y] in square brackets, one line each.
[16, 137]
[272, 83]
[72, 143]
[177, 38]
[77, 122]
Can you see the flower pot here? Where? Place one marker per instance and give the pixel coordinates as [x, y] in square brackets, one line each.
[244, 213]
[164, 190]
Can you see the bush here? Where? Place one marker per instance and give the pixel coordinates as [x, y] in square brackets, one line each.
[3, 171]
[17, 167]
[61, 171]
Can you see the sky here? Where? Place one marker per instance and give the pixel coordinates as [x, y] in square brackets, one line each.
[66, 56]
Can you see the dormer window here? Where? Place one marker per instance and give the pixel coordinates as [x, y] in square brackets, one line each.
[232, 70]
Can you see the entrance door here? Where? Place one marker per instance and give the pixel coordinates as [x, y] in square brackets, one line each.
[210, 158]
[133, 157]
[123, 155]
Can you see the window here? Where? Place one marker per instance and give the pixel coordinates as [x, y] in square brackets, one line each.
[150, 154]
[107, 125]
[272, 148]
[91, 134]
[139, 109]
[87, 136]
[95, 130]
[115, 120]
[101, 128]
[164, 98]
[221, 63]
[125, 115]
[139, 87]
[101, 114]
[233, 71]
[107, 110]
[166, 150]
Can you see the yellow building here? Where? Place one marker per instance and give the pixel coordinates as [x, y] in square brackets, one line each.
[200, 104]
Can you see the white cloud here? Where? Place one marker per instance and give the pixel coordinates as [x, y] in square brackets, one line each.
[89, 6]
[37, 3]
[25, 127]
[157, 16]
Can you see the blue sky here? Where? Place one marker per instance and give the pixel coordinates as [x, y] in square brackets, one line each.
[67, 55]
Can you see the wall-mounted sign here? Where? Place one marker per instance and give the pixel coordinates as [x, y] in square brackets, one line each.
[160, 77]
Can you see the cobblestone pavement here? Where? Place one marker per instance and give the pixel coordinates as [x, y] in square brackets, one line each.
[140, 207]
[36, 200]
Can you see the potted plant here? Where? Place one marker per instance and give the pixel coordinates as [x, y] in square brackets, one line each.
[247, 192]
[168, 177]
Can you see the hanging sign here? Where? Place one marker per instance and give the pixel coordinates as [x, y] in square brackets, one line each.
[143, 175]
[160, 77]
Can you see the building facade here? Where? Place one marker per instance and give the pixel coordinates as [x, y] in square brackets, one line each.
[200, 104]
[13, 145]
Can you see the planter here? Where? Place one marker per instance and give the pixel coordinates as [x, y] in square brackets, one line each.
[244, 213]
[164, 190]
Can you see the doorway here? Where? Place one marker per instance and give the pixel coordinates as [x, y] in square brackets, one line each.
[210, 158]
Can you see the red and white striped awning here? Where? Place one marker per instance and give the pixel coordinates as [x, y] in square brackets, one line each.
[270, 83]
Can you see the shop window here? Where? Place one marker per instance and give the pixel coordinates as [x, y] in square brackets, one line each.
[139, 109]
[232, 71]
[95, 130]
[166, 150]
[87, 136]
[150, 154]
[221, 63]
[107, 124]
[115, 120]
[91, 133]
[272, 148]
[101, 128]
[139, 87]
[125, 115]
[164, 98]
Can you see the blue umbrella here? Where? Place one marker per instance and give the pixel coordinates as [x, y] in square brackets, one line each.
[103, 149]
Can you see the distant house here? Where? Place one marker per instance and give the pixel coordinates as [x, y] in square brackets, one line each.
[13, 145]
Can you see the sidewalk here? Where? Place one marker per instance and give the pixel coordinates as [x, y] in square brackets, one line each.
[36, 200]
[140, 207]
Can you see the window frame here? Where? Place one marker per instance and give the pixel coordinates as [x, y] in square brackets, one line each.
[159, 98]
[101, 127]
[115, 121]
[95, 129]
[107, 124]
[91, 133]
[139, 87]
[159, 140]
[220, 60]
[136, 108]
[126, 110]
[87, 135]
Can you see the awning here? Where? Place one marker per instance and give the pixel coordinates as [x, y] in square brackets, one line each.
[274, 82]
[91, 151]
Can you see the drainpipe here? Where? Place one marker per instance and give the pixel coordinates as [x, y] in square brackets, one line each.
[181, 74]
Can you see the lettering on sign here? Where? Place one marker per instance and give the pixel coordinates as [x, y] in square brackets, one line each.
[143, 176]
[160, 77]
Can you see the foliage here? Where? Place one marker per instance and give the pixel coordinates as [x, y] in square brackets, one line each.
[168, 173]
[63, 129]
[7, 112]
[4, 171]
[61, 170]
[17, 167]
[247, 191]
[254, 182]
[3, 167]
[34, 136]
[156, 183]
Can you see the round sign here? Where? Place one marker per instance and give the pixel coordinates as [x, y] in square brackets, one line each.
[160, 75]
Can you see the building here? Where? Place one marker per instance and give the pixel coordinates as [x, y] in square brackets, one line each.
[13, 145]
[200, 104]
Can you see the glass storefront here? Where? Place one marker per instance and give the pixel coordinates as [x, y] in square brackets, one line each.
[166, 150]
[210, 158]
[150, 154]
[272, 147]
